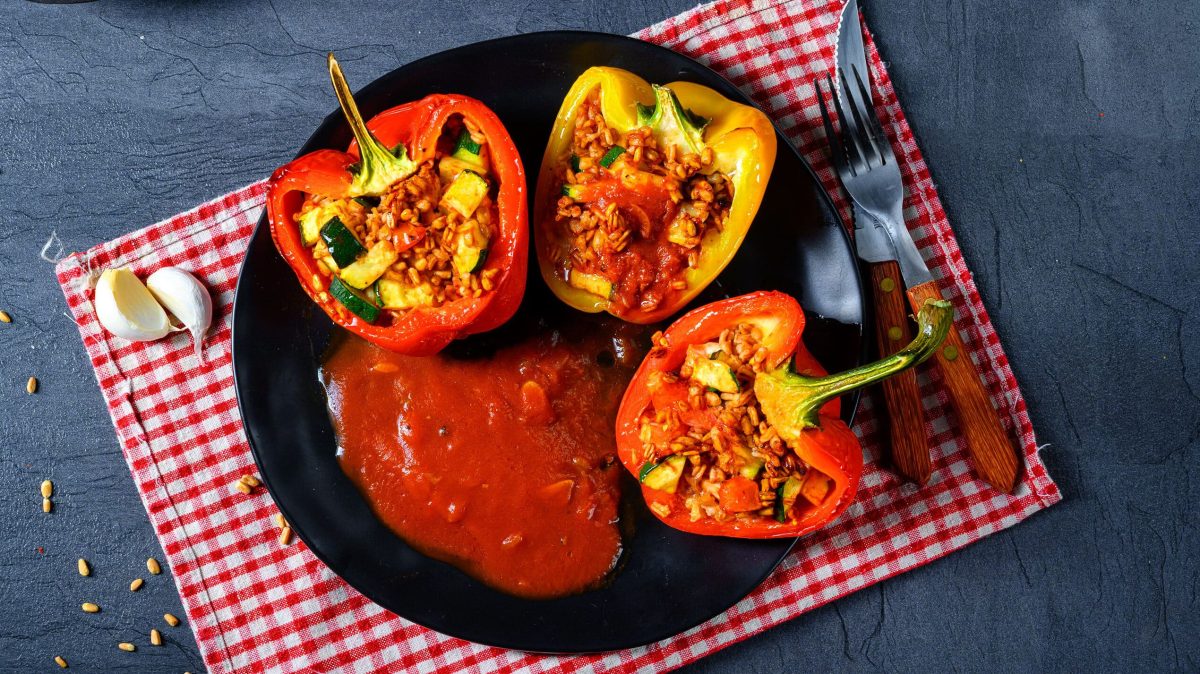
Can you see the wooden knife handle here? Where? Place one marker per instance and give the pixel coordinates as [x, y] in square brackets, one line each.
[995, 459]
[905, 413]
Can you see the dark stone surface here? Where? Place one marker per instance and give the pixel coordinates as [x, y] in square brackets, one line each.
[1064, 138]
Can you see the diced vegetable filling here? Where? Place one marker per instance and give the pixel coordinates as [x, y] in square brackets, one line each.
[423, 242]
[635, 209]
[705, 437]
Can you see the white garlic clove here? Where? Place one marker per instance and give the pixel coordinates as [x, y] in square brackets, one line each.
[186, 298]
[127, 309]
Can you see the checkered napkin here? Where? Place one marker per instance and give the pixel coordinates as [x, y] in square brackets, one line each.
[256, 605]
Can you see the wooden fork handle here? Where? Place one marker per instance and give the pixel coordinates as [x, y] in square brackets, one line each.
[905, 413]
[995, 459]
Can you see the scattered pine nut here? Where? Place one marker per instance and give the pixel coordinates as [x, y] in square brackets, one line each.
[285, 536]
[242, 487]
[171, 620]
[89, 607]
[282, 523]
[84, 569]
[58, 658]
[127, 647]
[31, 385]
[153, 567]
[5, 318]
[250, 481]
[136, 585]
[47, 505]
[155, 638]
[47, 488]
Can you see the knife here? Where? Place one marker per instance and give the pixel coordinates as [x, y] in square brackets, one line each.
[993, 454]
[902, 396]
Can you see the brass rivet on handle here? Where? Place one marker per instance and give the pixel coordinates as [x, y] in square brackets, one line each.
[950, 352]
[895, 333]
[887, 285]
[84, 569]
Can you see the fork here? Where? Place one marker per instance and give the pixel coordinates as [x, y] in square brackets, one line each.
[868, 170]
[871, 175]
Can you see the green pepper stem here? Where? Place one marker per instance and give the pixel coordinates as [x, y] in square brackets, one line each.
[794, 401]
[378, 166]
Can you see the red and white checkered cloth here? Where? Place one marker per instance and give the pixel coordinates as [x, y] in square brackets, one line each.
[258, 606]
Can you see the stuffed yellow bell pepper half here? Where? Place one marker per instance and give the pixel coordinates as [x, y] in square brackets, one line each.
[646, 192]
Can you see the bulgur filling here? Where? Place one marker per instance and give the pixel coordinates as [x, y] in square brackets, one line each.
[634, 213]
[421, 243]
[706, 427]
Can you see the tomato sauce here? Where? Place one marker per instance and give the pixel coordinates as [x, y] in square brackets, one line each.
[642, 272]
[503, 464]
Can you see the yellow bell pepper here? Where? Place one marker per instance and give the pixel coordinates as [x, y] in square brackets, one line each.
[691, 117]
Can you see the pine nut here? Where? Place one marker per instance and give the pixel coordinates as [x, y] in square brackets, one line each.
[89, 607]
[84, 569]
[31, 385]
[136, 585]
[250, 481]
[155, 638]
[153, 567]
[171, 620]
[282, 523]
[5, 318]
[58, 658]
[127, 647]
[242, 487]
[47, 506]
[47, 488]
[285, 536]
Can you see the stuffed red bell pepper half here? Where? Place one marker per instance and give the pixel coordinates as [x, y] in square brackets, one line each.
[416, 235]
[733, 428]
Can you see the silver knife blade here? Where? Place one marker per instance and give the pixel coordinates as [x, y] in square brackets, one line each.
[870, 226]
[849, 50]
[870, 236]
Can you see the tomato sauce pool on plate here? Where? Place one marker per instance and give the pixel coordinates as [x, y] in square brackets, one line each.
[502, 464]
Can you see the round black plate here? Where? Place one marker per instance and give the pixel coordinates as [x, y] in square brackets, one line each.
[670, 581]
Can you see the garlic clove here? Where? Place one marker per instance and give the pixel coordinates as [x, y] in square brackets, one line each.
[127, 309]
[186, 298]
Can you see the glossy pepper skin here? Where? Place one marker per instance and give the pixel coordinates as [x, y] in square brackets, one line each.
[798, 398]
[416, 126]
[743, 142]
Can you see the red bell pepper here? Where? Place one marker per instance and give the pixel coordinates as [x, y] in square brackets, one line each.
[367, 169]
[789, 390]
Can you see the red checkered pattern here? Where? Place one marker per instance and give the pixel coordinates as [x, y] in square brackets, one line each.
[258, 606]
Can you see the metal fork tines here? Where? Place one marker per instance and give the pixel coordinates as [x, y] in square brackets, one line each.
[863, 158]
[865, 150]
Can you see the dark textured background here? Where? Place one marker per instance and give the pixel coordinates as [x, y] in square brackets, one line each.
[1063, 136]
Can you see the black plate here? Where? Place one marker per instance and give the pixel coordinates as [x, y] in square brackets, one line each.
[670, 581]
